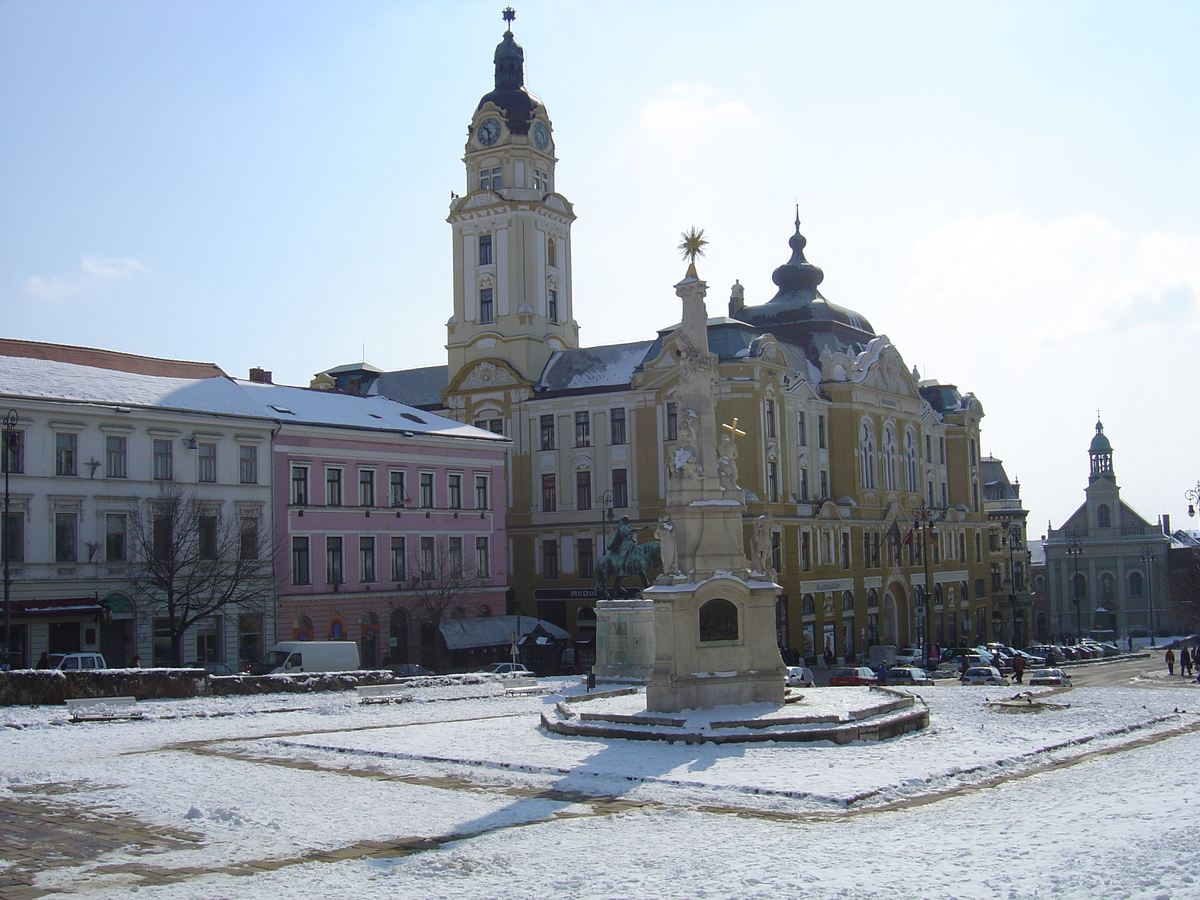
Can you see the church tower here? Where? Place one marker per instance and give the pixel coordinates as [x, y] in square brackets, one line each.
[512, 238]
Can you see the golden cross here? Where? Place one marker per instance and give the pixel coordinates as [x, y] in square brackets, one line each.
[733, 430]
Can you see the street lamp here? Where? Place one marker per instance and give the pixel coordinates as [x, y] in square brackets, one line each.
[1074, 549]
[605, 499]
[926, 516]
[1192, 496]
[7, 454]
[1011, 538]
[1148, 558]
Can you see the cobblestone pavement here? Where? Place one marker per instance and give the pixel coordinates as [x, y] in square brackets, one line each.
[42, 828]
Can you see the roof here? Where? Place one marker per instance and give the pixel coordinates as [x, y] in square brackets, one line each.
[593, 368]
[309, 406]
[108, 359]
[493, 631]
[421, 388]
[42, 378]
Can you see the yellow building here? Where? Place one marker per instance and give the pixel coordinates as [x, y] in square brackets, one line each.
[843, 445]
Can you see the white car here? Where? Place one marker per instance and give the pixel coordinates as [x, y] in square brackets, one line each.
[506, 668]
[984, 675]
[909, 656]
[799, 676]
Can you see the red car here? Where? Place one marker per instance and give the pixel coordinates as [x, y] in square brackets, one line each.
[852, 675]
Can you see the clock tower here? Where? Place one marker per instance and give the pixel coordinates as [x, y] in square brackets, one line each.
[512, 247]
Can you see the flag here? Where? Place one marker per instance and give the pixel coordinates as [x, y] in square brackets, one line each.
[908, 539]
[893, 534]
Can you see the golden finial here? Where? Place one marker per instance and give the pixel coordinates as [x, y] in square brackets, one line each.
[693, 245]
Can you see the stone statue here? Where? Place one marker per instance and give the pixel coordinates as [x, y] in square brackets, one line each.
[727, 453]
[665, 532]
[761, 544]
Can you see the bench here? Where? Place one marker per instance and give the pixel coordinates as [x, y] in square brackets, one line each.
[382, 693]
[103, 709]
[522, 686]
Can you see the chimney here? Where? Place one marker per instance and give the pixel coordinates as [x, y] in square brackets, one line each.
[1166, 524]
[260, 376]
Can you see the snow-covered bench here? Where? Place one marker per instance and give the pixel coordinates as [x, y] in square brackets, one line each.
[102, 709]
[523, 685]
[383, 693]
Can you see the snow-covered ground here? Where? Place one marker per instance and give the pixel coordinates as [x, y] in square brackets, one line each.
[1096, 799]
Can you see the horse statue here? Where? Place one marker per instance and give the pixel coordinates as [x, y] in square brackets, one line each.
[641, 559]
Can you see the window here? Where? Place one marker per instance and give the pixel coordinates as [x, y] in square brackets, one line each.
[396, 488]
[485, 250]
[891, 476]
[1103, 514]
[65, 453]
[866, 455]
[206, 537]
[247, 464]
[333, 487]
[162, 538]
[426, 490]
[366, 487]
[845, 549]
[207, 467]
[485, 179]
[164, 467]
[482, 500]
[1135, 584]
[551, 252]
[549, 494]
[672, 422]
[770, 417]
[801, 430]
[454, 556]
[806, 551]
[912, 478]
[428, 554]
[824, 483]
[399, 564]
[549, 559]
[114, 457]
[454, 491]
[552, 305]
[12, 533]
[483, 558]
[586, 554]
[333, 560]
[616, 418]
[497, 180]
[583, 490]
[583, 429]
[547, 427]
[299, 485]
[803, 484]
[620, 489]
[875, 549]
[366, 559]
[13, 460]
[300, 564]
[773, 481]
[66, 537]
[248, 538]
[487, 312]
[821, 433]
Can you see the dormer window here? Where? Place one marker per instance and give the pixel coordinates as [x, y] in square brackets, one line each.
[485, 250]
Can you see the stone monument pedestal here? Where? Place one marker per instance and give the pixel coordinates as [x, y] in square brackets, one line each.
[714, 644]
[624, 640]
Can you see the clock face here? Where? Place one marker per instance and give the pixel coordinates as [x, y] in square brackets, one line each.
[541, 136]
[489, 131]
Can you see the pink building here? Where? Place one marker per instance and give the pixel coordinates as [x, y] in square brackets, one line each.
[389, 520]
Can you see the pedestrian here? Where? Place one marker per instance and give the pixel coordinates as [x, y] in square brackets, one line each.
[881, 673]
[44, 660]
[1185, 663]
[1170, 657]
[830, 659]
[1018, 667]
[136, 662]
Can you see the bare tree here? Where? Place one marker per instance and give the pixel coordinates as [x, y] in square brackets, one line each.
[441, 581]
[192, 561]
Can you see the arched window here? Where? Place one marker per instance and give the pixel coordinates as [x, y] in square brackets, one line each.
[302, 629]
[398, 636]
[369, 625]
[807, 606]
[872, 598]
[912, 481]
[551, 252]
[337, 628]
[1136, 584]
[718, 621]
[1103, 516]
[891, 477]
[1080, 586]
[847, 601]
[866, 455]
[485, 611]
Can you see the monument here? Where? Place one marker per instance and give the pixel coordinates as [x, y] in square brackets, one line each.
[709, 618]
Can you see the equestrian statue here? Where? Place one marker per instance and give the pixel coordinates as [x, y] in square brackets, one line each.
[626, 558]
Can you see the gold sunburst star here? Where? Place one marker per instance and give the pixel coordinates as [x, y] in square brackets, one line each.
[693, 244]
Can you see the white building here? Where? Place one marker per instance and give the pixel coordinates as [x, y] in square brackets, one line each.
[99, 437]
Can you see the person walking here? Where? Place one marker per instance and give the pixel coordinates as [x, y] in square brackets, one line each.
[1170, 658]
[1185, 663]
[1018, 667]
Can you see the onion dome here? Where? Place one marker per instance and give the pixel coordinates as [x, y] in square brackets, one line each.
[510, 95]
[797, 275]
[1100, 443]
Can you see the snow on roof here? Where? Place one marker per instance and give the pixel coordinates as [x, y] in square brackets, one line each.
[309, 406]
[108, 359]
[51, 379]
[418, 387]
[582, 368]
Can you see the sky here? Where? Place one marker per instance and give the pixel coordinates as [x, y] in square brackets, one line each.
[1008, 190]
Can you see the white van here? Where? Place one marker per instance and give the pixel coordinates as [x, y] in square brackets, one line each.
[76, 662]
[291, 657]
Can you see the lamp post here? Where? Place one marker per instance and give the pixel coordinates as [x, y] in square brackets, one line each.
[1192, 495]
[1010, 538]
[1147, 557]
[605, 499]
[926, 516]
[7, 454]
[1074, 549]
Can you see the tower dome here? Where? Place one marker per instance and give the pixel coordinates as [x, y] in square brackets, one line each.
[510, 95]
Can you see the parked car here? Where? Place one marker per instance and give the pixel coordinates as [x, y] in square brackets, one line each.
[74, 662]
[908, 675]
[505, 668]
[852, 675]
[411, 670]
[910, 656]
[1055, 677]
[946, 670]
[1032, 661]
[984, 675]
[213, 668]
[799, 676]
